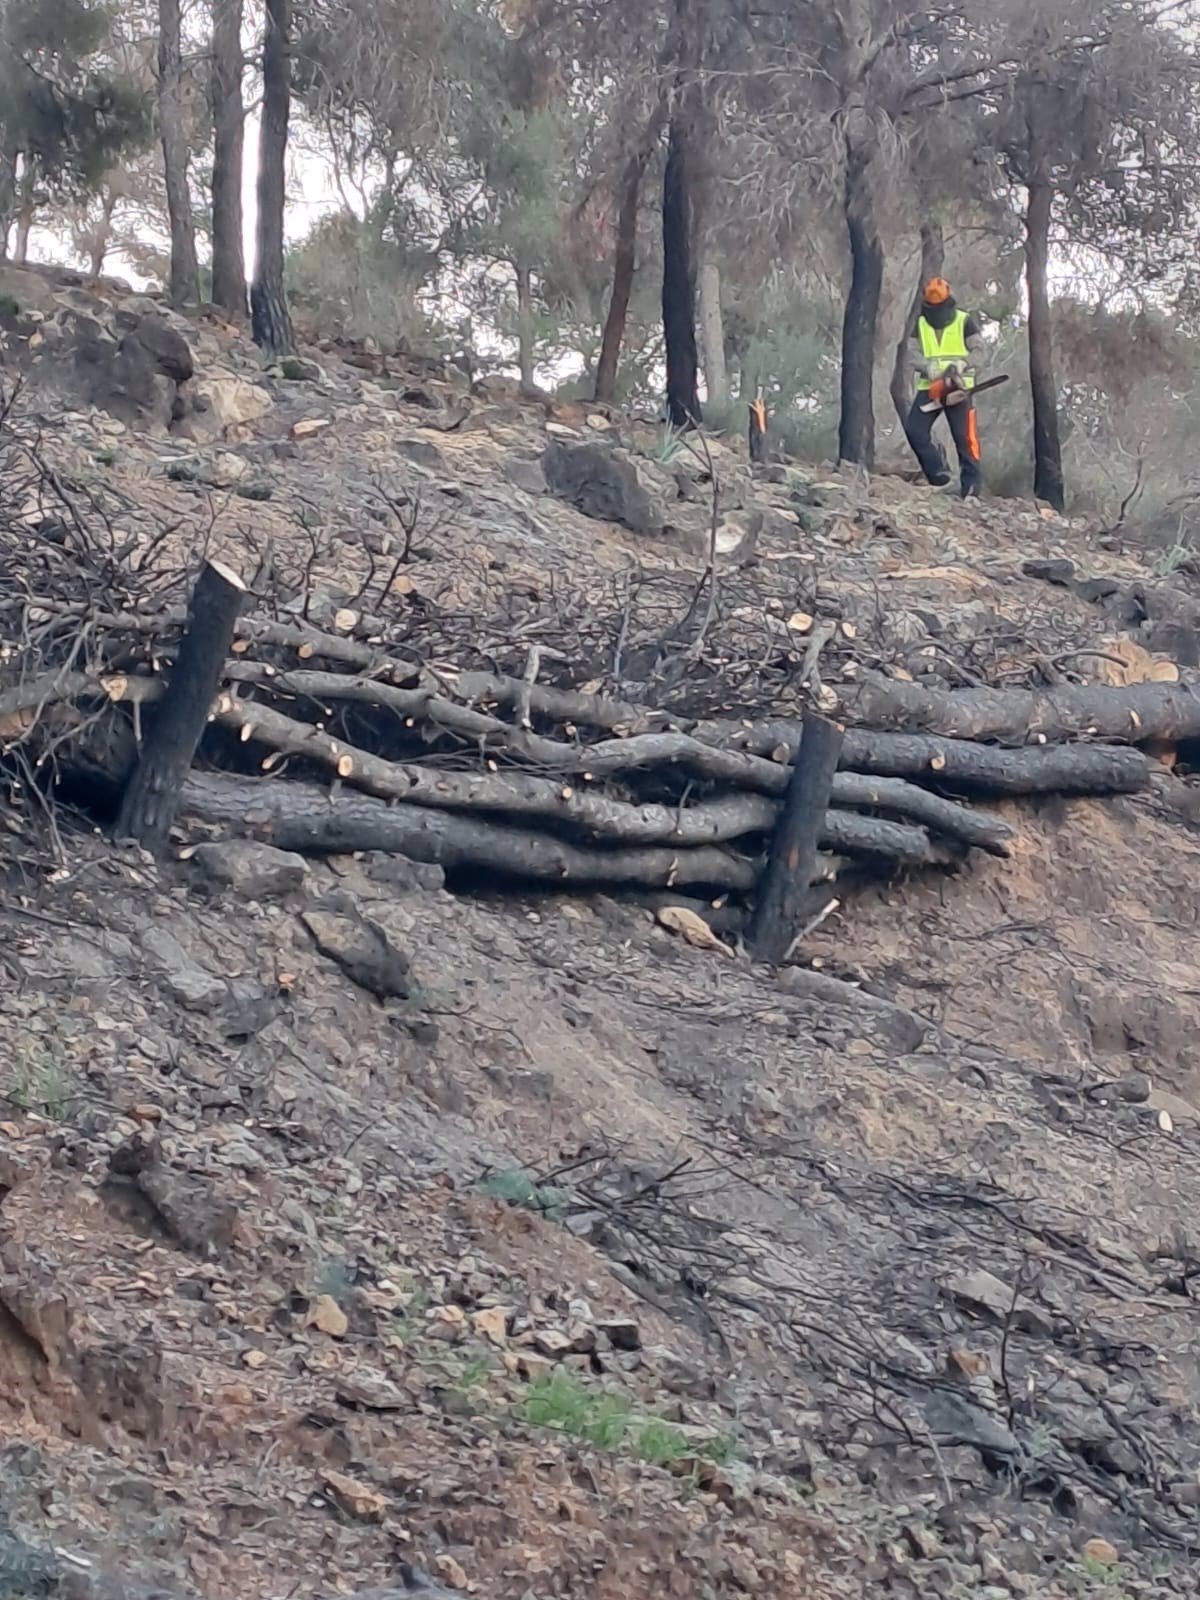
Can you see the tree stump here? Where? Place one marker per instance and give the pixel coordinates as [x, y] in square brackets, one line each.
[783, 891]
[151, 797]
[758, 431]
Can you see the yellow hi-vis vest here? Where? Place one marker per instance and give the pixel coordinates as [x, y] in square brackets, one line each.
[944, 347]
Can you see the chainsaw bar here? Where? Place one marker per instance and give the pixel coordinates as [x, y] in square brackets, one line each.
[957, 396]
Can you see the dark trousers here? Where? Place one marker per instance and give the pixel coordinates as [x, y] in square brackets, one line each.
[963, 430]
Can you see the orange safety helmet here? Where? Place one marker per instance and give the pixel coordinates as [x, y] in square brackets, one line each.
[937, 292]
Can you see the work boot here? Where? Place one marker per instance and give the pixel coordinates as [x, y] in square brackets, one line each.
[969, 491]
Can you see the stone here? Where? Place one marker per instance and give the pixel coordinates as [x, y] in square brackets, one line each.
[1094, 590]
[166, 347]
[416, 395]
[622, 1333]
[254, 871]
[295, 369]
[525, 475]
[191, 1209]
[121, 378]
[1178, 640]
[363, 951]
[403, 875]
[190, 984]
[954, 1420]
[26, 1571]
[309, 427]
[1134, 1088]
[603, 484]
[982, 1291]
[1101, 1552]
[422, 452]
[222, 400]
[1054, 569]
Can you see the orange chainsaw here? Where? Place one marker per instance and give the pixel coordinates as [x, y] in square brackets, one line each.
[950, 390]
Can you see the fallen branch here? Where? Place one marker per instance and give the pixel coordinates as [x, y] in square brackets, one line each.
[1138, 714]
[512, 793]
[976, 767]
[642, 751]
[300, 817]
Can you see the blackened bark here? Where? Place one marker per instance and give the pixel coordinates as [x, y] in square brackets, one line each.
[759, 448]
[679, 278]
[1047, 448]
[783, 894]
[8, 193]
[183, 285]
[152, 795]
[525, 328]
[624, 266]
[301, 817]
[933, 259]
[229, 127]
[271, 322]
[856, 427]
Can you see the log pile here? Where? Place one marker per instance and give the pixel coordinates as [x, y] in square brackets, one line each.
[330, 744]
[203, 700]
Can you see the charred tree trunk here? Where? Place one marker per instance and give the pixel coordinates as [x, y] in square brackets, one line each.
[8, 194]
[1047, 448]
[624, 266]
[758, 444]
[271, 321]
[712, 327]
[783, 895]
[624, 260]
[933, 258]
[183, 286]
[679, 278]
[229, 128]
[525, 328]
[24, 215]
[856, 427]
[152, 795]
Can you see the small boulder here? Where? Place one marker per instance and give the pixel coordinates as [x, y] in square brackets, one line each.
[363, 951]
[422, 453]
[602, 483]
[294, 369]
[526, 475]
[190, 1208]
[222, 400]
[737, 534]
[1055, 569]
[166, 347]
[253, 871]
[188, 983]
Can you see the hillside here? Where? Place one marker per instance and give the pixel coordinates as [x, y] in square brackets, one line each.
[592, 1261]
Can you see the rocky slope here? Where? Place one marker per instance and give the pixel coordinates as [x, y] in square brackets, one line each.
[599, 1264]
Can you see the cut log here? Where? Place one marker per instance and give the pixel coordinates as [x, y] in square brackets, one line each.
[510, 793]
[972, 767]
[299, 817]
[783, 899]
[1077, 769]
[151, 797]
[1137, 714]
[975, 828]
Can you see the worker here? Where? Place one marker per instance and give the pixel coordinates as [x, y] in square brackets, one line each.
[946, 336]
